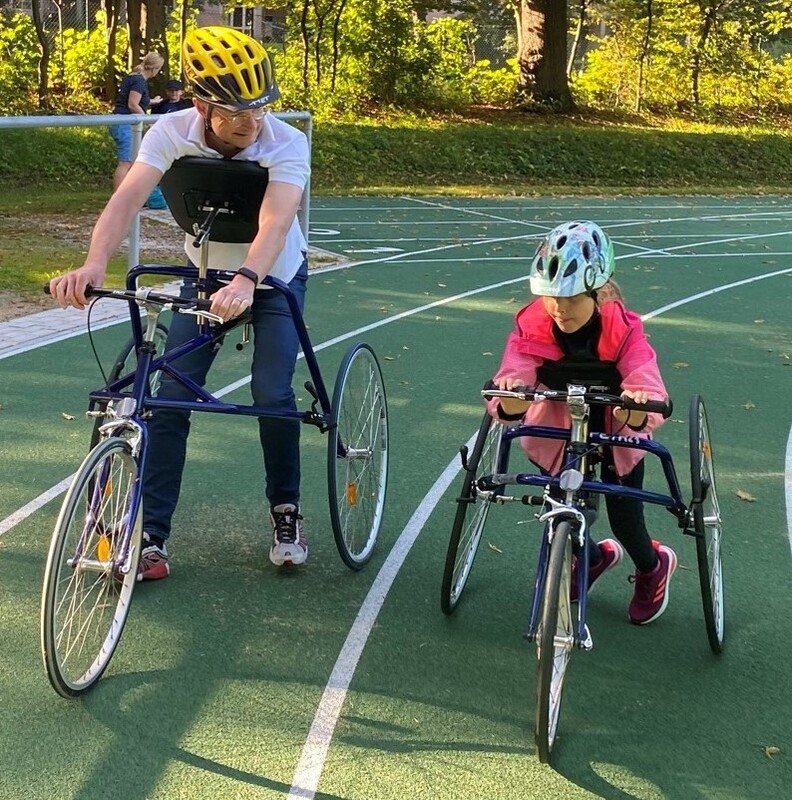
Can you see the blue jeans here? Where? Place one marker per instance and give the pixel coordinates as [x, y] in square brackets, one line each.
[275, 349]
[122, 134]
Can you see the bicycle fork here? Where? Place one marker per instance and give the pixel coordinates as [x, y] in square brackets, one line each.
[577, 520]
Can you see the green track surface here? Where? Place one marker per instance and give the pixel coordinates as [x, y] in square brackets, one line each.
[221, 668]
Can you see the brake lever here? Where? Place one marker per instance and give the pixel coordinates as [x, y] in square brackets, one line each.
[207, 315]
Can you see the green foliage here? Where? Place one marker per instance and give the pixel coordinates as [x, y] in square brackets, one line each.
[19, 50]
[496, 87]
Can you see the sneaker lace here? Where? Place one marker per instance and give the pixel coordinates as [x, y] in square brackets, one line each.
[643, 586]
[285, 523]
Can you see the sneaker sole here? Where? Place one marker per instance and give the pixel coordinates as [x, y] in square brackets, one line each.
[289, 561]
[673, 561]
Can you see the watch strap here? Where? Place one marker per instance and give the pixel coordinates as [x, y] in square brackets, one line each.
[249, 274]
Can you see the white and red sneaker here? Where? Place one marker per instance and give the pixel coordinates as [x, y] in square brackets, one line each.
[289, 545]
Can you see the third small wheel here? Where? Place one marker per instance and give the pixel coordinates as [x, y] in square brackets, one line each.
[471, 513]
[707, 523]
[357, 455]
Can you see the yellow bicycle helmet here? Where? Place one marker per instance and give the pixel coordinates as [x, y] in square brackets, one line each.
[228, 68]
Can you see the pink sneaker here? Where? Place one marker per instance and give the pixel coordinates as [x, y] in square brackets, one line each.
[611, 554]
[651, 588]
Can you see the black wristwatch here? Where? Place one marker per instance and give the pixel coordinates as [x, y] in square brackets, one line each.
[249, 274]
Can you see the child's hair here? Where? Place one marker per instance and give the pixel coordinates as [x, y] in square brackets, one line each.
[150, 61]
[608, 291]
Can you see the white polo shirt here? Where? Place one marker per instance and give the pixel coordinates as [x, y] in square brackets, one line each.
[281, 148]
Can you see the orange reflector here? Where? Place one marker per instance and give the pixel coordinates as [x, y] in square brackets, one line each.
[351, 494]
[706, 450]
[103, 548]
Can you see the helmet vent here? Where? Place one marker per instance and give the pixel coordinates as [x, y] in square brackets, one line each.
[562, 240]
[586, 251]
[571, 269]
[596, 238]
[553, 269]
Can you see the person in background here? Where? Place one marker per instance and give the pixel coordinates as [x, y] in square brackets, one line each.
[174, 102]
[133, 98]
[173, 99]
[579, 322]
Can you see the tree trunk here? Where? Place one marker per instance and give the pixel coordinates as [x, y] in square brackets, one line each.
[542, 55]
[45, 50]
[709, 20]
[154, 23]
[644, 54]
[579, 28]
[111, 10]
[135, 27]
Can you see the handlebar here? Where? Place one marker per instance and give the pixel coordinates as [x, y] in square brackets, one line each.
[199, 306]
[591, 396]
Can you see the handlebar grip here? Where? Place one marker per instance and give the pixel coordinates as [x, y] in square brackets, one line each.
[662, 407]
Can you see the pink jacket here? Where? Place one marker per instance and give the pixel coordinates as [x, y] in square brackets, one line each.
[622, 342]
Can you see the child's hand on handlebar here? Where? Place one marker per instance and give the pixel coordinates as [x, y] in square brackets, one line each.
[635, 419]
[511, 405]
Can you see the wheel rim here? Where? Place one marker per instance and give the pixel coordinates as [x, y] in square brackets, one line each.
[563, 642]
[88, 598]
[359, 468]
[707, 519]
[474, 522]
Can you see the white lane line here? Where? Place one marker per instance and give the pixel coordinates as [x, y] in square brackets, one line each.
[309, 768]
[788, 486]
[34, 505]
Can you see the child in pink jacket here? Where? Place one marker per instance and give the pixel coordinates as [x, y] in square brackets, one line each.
[579, 331]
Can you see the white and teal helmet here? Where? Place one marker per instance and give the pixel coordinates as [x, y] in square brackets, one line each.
[573, 258]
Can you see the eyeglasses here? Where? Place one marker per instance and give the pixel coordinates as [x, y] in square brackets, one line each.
[248, 113]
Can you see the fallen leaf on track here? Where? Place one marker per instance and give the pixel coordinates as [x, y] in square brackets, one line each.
[770, 750]
[492, 547]
[67, 416]
[680, 364]
[743, 495]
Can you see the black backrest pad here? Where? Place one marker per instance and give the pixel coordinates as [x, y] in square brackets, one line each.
[193, 185]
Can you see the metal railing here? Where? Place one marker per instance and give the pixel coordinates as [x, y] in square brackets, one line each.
[137, 121]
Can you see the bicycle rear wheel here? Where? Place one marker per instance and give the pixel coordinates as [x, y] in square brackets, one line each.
[555, 639]
[471, 514]
[357, 455]
[707, 523]
[91, 568]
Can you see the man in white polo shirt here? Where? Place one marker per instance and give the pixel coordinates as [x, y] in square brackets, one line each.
[232, 82]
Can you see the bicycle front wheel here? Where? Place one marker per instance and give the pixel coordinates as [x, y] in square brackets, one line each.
[707, 523]
[91, 568]
[471, 514]
[555, 639]
[357, 455]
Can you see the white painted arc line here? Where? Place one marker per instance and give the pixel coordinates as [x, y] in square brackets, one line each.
[309, 768]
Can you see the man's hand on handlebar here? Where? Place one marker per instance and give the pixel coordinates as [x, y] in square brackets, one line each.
[234, 299]
[69, 289]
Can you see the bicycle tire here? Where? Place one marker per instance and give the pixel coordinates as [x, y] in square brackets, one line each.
[471, 514]
[357, 455]
[707, 524]
[555, 639]
[85, 598]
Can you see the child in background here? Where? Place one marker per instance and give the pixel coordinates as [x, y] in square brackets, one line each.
[173, 99]
[580, 327]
